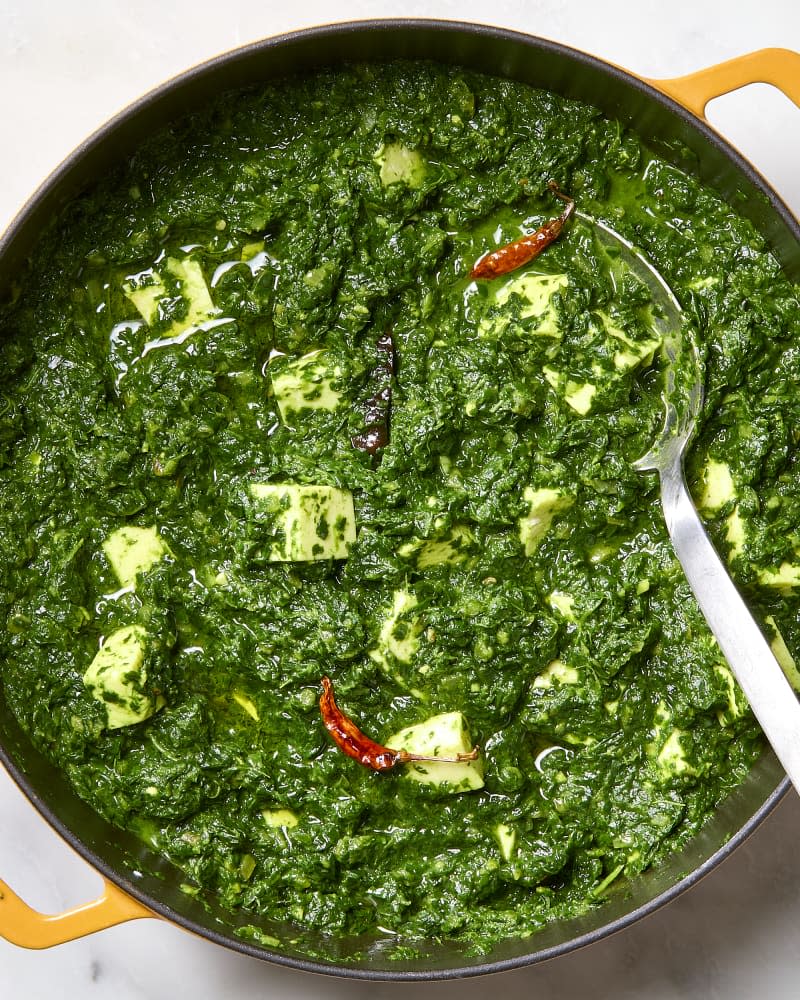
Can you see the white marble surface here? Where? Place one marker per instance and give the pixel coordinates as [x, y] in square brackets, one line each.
[64, 68]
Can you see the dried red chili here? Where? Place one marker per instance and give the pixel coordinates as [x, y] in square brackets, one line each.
[513, 255]
[350, 740]
[375, 435]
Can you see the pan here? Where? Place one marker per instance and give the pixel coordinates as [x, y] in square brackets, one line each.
[140, 884]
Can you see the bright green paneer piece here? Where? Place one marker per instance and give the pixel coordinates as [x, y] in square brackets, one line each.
[449, 548]
[440, 735]
[280, 818]
[117, 677]
[400, 165]
[132, 550]
[398, 638]
[306, 383]
[718, 485]
[578, 395]
[306, 522]
[543, 505]
[506, 838]
[535, 306]
[632, 351]
[785, 578]
[537, 291]
[146, 290]
[781, 652]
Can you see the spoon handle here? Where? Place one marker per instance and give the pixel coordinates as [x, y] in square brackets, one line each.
[752, 662]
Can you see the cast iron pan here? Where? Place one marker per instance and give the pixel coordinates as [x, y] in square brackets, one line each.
[140, 883]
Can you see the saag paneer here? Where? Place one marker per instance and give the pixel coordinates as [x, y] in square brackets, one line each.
[194, 537]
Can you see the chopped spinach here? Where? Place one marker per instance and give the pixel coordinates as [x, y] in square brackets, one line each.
[192, 355]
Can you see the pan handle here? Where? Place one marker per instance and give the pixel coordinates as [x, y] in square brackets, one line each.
[22, 925]
[779, 67]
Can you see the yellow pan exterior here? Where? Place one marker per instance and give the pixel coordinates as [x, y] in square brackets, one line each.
[779, 67]
[21, 924]
[24, 926]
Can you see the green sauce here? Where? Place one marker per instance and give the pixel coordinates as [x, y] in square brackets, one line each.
[192, 353]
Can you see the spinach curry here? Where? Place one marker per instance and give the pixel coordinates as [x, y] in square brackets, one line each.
[193, 536]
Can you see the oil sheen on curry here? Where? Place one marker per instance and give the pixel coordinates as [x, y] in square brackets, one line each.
[266, 420]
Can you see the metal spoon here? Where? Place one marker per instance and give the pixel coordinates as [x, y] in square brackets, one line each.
[752, 662]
